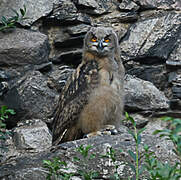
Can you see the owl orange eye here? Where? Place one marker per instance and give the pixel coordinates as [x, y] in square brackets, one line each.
[106, 40]
[94, 39]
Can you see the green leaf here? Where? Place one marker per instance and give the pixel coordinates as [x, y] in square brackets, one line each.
[22, 12]
[167, 118]
[132, 154]
[11, 111]
[132, 167]
[132, 121]
[92, 156]
[139, 139]
[47, 162]
[121, 150]
[131, 133]
[177, 129]
[76, 159]
[142, 169]
[4, 20]
[165, 131]
[17, 15]
[146, 147]
[95, 174]
[126, 115]
[3, 110]
[141, 130]
[2, 125]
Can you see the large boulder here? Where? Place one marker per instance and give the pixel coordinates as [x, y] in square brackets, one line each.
[31, 97]
[143, 95]
[25, 167]
[151, 40]
[65, 11]
[156, 74]
[58, 77]
[22, 47]
[159, 4]
[93, 7]
[32, 135]
[29, 136]
[35, 9]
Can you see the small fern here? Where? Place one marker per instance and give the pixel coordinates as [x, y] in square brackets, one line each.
[8, 23]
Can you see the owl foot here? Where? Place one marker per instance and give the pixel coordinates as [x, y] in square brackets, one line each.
[107, 130]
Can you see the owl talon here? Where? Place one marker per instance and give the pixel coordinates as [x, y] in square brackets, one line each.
[97, 133]
[111, 128]
[108, 130]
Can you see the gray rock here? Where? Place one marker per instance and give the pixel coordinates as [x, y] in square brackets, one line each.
[69, 57]
[152, 40]
[176, 79]
[3, 75]
[175, 82]
[128, 5]
[22, 47]
[141, 121]
[143, 95]
[3, 87]
[176, 91]
[26, 167]
[31, 97]
[63, 38]
[65, 11]
[32, 135]
[36, 95]
[155, 74]
[78, 29]
[98, 7]
[174, 58]
[87, 3]
[43, 67]
[118, 17]
[29, 137]
[58, 77]
[160, 4]
[35, 9]
[68, 43]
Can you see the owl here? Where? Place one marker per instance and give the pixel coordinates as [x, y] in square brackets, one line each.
[92, 98]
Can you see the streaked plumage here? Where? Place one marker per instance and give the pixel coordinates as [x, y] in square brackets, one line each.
[93, 94]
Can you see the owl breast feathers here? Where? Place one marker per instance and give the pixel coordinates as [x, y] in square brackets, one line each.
[93, 95]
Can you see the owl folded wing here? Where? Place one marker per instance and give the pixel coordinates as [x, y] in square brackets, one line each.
[74, 96]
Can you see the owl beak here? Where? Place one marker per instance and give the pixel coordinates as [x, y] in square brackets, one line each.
[100, 46]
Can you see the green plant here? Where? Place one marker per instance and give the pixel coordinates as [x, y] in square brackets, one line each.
[8, 23]
[4, 114]
[57, 169]
[173, 134]
[153, 168]
[111, 154]
[136, 134]
[83, 161]
[159, 170]
[166, 171]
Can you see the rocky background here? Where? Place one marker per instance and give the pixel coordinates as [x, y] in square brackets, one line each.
[37, 57]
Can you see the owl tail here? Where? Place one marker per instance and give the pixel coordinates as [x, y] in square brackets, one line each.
[69, 134]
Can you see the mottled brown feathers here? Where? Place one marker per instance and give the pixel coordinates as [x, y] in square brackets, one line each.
[74, 97]
[93, 94]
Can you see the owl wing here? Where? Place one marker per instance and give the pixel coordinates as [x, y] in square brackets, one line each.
[74, 96]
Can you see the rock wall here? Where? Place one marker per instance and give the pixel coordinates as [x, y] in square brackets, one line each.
[37, 57]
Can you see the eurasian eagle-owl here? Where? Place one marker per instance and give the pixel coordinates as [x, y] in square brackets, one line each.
[93, 95]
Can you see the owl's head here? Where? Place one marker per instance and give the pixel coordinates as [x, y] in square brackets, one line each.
[101, 41]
